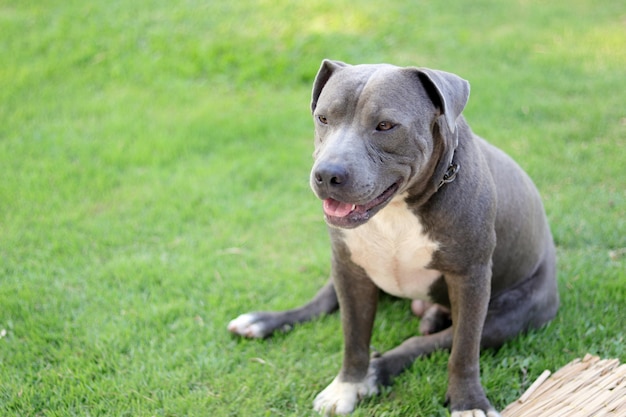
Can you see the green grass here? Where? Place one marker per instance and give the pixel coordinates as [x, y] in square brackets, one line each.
[154, 160]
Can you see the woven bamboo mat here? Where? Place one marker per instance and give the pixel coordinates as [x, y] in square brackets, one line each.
[587, 387]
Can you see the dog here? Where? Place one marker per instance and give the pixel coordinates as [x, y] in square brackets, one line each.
[420, 207]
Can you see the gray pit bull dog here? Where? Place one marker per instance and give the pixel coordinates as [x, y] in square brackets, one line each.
[419, 207]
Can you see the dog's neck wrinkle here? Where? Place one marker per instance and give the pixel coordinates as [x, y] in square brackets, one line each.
[423, 191]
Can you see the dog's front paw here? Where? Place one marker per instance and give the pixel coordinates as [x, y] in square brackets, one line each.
[250, 325]
[342, 397]
[475, 413]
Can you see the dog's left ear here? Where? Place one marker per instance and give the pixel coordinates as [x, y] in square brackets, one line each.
[447, 91]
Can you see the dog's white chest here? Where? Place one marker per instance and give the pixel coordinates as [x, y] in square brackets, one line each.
[394, 251]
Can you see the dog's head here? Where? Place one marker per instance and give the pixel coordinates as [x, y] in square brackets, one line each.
[380, 130]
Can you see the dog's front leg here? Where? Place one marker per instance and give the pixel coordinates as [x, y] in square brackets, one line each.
[358, 298]
[469, 297]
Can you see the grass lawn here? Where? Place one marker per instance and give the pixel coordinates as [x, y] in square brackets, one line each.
[154, 161]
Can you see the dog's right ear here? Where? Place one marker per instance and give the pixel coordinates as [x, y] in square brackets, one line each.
[323, 75]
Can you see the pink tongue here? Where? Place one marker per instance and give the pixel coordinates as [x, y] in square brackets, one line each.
[336, 208]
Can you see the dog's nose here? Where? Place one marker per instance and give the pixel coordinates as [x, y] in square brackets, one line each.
[331, 175]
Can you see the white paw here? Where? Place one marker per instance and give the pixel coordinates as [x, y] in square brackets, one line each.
[247, 325]
[342, 397]
[475, 413]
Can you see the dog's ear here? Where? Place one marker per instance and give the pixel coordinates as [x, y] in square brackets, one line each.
[447, 91]
[323, 75]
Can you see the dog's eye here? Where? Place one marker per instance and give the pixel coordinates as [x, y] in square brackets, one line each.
[384, 126]
[322, 119]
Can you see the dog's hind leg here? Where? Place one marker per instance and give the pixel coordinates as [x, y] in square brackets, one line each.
[393, 362]
[528, 305]
[263, 323]
[433, 319]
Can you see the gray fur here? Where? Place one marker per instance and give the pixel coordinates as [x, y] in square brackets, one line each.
[495, 253]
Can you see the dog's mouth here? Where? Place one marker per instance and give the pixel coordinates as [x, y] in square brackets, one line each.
[350, 215]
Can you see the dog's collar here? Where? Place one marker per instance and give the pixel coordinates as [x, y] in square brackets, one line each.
[450, 174]
[453, 168]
